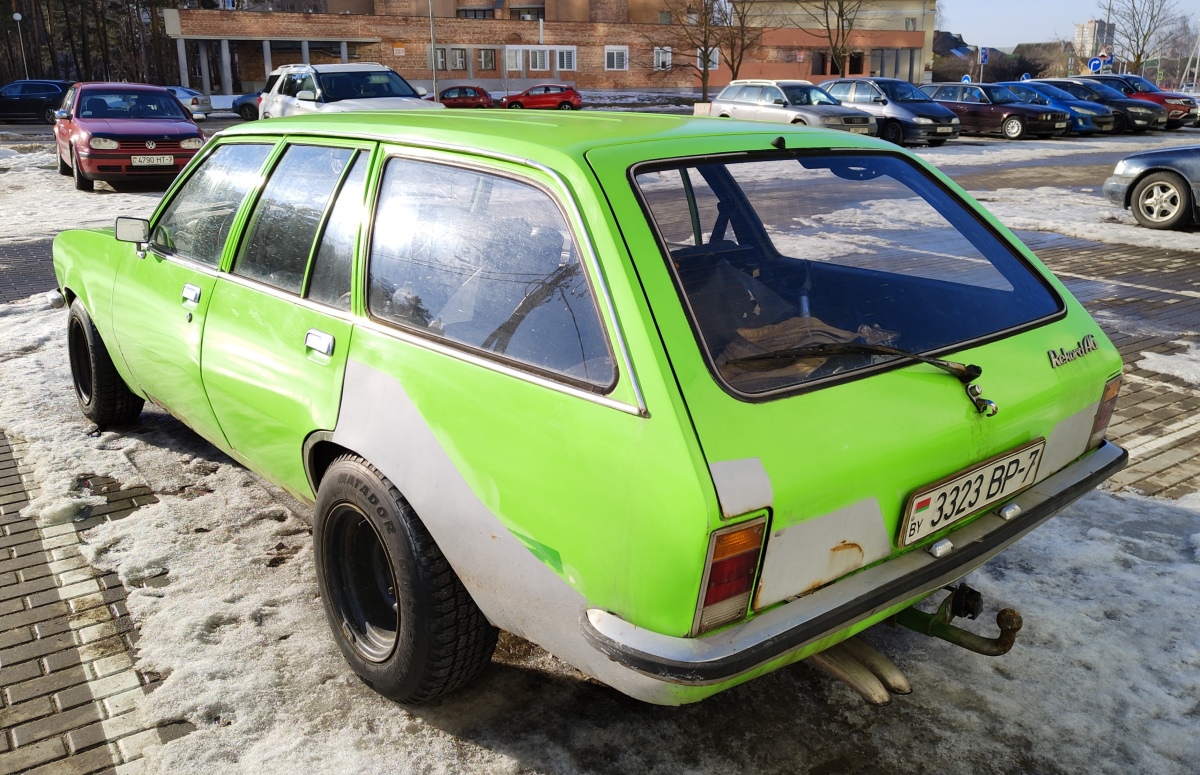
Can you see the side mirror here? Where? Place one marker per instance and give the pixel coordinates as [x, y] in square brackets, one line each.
[780, 101]
[60, 114]
[132, 230]
[880, 101]
[421, 91]
[307, 95]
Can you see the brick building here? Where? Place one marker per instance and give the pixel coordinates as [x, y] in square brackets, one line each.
[508, 45]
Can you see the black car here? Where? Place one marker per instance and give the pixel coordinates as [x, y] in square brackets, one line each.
[1161, 187]
[36, 100]
[1129, 115]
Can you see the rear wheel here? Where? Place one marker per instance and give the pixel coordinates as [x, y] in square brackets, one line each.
[82, 183]
[1120, 124]
[1013, 128]
[103, 396]
[1161, 201]
[399, 614]
[248, 112]
[566, 106]
[515, 105]
[48, 114]
[892, 132]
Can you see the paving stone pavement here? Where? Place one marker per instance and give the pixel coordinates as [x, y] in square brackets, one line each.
[68, 682]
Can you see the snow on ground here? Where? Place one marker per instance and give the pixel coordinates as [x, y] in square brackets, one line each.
[1105, 677]
[984, 150]
[1185, 365]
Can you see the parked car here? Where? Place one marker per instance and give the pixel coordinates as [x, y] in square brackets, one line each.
[988, 108]
[551, 377]
[1086, 118]
[1129, 115]
[548, 96]
[903, 112]
[198, 103]
[1160, 187]
[37, 100]
[1181, 109]
[304, 89]
[792, 102]
[246, 105]
[465, 97]
[123, 131]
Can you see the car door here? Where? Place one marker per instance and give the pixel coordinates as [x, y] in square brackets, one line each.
[771, 105]
[745, 104]
[12, 101]
[977, 111]
[165, 290]
[279, 325]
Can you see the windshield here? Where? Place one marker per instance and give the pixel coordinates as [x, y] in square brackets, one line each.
[130, 103]
[808, 95]
[998, 94]
[830, 248]
[1140, 84]
[902, 91]
[1053, 92]
[363, 85]
[1107, 92]
[1026, 94]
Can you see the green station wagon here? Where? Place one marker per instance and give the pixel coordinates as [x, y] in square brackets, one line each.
[681, 400]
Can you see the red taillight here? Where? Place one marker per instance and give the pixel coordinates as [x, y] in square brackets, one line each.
[195, 101]
[260, 99]
[729, 581]
[1108, 403]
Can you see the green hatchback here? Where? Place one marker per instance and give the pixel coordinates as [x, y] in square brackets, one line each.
[681, 400]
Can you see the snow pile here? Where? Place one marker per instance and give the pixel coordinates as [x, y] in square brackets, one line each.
[1186, 366]
[984, 151]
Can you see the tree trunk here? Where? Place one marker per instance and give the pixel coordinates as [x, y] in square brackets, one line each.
[68, 31]
[102, 38]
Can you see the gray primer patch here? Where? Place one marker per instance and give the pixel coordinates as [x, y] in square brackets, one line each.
[742, 486]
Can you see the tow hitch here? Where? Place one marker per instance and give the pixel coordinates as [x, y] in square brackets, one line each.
[963, 602]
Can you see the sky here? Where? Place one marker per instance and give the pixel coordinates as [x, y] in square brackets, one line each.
[1005, 24]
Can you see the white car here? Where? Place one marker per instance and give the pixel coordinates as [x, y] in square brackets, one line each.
[199, 104]
[304, 89]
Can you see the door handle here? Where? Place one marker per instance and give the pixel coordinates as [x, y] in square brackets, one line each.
[191, 293]
[318, 341]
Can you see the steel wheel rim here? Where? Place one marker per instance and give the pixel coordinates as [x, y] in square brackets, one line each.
[81, 363]
[361, 584]
[1159, 202]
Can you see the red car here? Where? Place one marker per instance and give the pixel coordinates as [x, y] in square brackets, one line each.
[1181, 109]
[123, 131]
[465, 97]
[551, 96]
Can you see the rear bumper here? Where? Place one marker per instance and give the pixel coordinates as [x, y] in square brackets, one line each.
[797, 628]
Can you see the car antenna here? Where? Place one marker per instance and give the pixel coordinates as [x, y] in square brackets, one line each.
[779, 143]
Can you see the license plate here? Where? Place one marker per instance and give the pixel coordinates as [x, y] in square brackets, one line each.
[945, 129]
[151, 161]
[970, 491]
[1060, 125]
[858, 130]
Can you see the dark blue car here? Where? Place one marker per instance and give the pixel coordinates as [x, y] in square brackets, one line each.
[1087, 118]
[1160, 187]
[246, 105]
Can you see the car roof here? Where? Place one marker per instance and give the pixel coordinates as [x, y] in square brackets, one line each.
[349, 67]
[772, 81]
[517, 134]
[122, 85]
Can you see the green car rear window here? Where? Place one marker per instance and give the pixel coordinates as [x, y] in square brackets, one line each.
[777, 255]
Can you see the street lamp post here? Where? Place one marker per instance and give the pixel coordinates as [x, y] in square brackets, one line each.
[17, 18]
[433, 51]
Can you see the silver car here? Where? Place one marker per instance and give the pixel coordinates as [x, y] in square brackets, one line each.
[792, 102]
[199, 104]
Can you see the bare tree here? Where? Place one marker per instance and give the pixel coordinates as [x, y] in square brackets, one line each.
[741, 29]
[696, 26]
[1176, 52]
[1140, 27]
[838, 19]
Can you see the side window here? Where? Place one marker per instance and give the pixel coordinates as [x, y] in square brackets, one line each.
[284, 224]
[306, 83]
[196, 223]
[11, 90]
[750, 94]
[289, 86]
[839, 91]
[330, 281]
[770, 94]
[486, 262]
[69, 101]
[863, 93]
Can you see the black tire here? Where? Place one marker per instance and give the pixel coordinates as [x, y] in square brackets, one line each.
[1120, 124]
[892, 132]
[565, 106]
[104, 398]
[63, 167]
[81, 183]
[936, 143]
[248, 112]
[398, 612]
[1013, 128]
[1161, 200]
[515, 105]
[48, 114]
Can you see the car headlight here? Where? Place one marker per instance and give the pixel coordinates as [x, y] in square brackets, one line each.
[103, 144]
[192, 143]
[831, 120]
[1142, 112]
[1178, 101]
[1120, 169]
[923, 120]
[1085, 111]
[954, 120]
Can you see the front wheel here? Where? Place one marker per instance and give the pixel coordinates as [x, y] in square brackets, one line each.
[103, 396]
[515, 105]
[892, 132]
[248, 112]
[81, 183]
[1120, 124]
[399, 614]
[1161, 201]
[1013, 128]
[63, 167]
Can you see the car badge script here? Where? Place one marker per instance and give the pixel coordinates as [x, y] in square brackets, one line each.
[1082, 347]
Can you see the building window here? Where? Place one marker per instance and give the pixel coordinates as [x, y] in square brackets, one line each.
[539, 59]
[487, 59]
[566, 59]
[616, 57]
[856, 63]
[910, 23]
[476, 13]
[439, 59]
[662, 58]
[818, 63]
[458, 59]
[527, 14]
[714, 59]
[512, 59]
[664, 17]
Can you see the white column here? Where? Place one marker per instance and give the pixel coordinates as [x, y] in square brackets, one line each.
[267, 59]
[345, 53]
[205, 77]
[181, 52]
[226, 69]
[304, 51]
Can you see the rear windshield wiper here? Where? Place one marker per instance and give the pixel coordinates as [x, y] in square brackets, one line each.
[964, 372]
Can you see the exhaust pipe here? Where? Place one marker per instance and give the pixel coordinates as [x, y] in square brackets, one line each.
[864, 669]
[963, 601]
